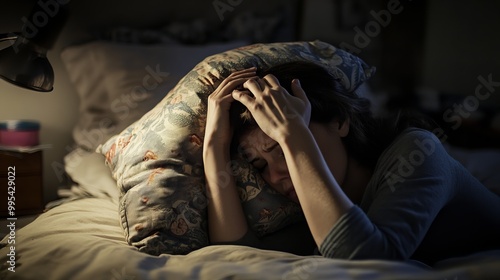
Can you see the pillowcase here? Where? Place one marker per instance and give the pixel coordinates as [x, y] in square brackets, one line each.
[118, 83]
[158, 165]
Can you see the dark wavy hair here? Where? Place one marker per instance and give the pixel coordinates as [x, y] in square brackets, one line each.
[368, 136]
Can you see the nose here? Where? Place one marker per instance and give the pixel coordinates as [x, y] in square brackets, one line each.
[277, 171]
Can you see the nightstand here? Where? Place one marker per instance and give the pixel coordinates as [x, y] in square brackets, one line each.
[25, 170]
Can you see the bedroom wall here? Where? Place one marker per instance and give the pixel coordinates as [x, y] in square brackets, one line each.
[378, 31]
[444, 45]
[462, 43]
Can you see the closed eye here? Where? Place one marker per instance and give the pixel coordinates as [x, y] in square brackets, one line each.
[259, 164]
[270, 148]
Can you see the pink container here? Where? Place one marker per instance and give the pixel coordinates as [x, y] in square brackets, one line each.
[19, 133]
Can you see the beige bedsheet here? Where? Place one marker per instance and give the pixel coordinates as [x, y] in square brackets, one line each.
[82, 239]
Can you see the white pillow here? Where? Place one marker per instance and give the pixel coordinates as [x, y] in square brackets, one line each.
[118, 83]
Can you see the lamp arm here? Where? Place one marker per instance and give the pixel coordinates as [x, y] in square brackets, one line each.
[9, 36]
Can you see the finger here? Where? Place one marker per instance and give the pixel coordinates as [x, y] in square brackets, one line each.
[228, 98]
[253, 86]
[239, 81]
[243, 97]
[298, 91]
[251, 69]
[272, 81]
[229, 85]
[262, 84]
[244, 91]
[245, 73]
[232, 77]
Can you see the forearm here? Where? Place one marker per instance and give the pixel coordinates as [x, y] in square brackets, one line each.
[226, 220]
[321, 198]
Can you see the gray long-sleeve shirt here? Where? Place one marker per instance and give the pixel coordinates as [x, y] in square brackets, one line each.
[421, 204]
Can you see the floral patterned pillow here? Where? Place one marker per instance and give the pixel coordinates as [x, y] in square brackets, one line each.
[157, 161]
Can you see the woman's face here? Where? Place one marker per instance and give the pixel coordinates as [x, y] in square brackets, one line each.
[267, 157]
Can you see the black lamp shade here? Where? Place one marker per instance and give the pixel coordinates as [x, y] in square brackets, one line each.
[26, 65]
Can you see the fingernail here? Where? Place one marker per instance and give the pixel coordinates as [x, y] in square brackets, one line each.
[296, 82]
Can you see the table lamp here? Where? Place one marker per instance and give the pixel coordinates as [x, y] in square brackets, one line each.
[25, 62]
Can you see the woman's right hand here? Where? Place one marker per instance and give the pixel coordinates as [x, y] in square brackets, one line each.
[275, 110]
[219, 102]
[226, 219]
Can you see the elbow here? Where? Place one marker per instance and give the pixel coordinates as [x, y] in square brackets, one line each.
[377, 246]
[355, 237]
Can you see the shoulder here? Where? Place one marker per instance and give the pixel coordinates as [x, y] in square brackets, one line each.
[415, 146]
[414, 154]
[415, 141]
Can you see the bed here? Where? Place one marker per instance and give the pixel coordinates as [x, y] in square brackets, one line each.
[83, 239]
[97, 232]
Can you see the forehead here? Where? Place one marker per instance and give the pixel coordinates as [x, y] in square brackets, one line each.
[254, 140]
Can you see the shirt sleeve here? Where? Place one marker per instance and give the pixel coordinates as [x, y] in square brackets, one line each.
[410, 185]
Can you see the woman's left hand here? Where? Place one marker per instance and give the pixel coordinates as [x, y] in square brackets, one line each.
[275, 110]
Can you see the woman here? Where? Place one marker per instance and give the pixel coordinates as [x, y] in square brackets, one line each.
[368, 188]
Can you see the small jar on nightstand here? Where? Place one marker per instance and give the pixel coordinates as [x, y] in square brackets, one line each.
[21, 181]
